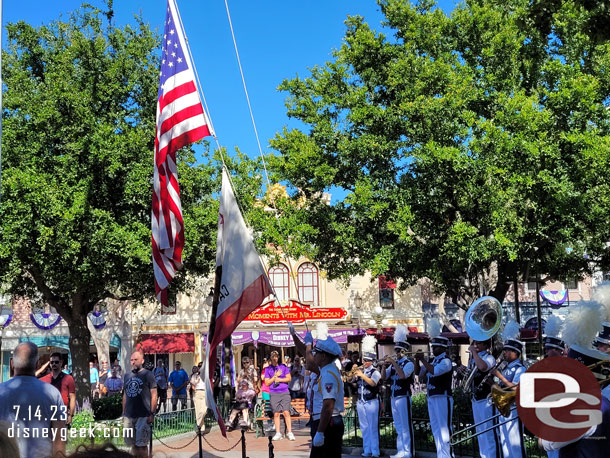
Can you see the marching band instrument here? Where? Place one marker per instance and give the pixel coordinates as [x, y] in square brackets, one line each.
[483, 318]
[352, 372]
[482, 322]
[503, 399]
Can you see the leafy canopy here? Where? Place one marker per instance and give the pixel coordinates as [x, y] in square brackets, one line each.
[472, 149]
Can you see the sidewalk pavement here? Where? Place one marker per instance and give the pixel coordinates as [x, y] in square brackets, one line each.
[255, 448]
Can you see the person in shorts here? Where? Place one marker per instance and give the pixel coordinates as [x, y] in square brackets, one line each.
[139, 405]
[277, 378]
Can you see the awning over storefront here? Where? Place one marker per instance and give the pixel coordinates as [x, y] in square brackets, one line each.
[284, 339]
[181, 342]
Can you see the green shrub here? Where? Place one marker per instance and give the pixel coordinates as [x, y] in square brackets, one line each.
[108, 408]
[82, 419]
[419, 405]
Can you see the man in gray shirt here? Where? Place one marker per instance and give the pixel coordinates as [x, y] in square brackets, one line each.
[139, 405]
[32, 410]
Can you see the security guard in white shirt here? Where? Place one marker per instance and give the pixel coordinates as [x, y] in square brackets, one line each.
[368, 398]
[327, 423]
[439, 373]
[511, 433]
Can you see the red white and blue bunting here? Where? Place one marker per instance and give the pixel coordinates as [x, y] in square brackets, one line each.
[45, 320]
[5, 320]
[98, 319]
[555, 297]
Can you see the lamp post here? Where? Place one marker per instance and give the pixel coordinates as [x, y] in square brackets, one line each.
[378, 319]
[358, 305]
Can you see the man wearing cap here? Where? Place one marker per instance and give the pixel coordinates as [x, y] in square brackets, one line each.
[602, 341]
[327, 424]
[440, 397]
[482, 405]
[399, 371]
[368, 398]
[511, 433]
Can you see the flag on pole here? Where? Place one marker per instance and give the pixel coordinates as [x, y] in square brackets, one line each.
[241, 283]
[181, 120]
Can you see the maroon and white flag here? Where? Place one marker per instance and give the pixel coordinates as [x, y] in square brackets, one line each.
[181, 120]
[241, 283]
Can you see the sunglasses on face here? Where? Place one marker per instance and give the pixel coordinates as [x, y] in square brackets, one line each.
[54, 362]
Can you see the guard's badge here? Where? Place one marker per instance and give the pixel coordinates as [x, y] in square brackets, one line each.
[329, 387]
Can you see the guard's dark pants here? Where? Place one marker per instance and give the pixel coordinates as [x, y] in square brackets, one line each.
[333, 439]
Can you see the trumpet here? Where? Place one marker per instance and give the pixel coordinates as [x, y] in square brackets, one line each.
[352, 372]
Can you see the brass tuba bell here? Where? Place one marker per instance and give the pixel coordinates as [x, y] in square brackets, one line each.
[483, 318]
[503, 399]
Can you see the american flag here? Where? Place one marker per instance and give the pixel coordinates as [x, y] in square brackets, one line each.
[181, 120]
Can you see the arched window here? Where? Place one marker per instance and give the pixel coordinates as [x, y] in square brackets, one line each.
[307, 279]
[279, 278]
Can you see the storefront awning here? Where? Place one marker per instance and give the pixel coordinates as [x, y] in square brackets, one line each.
[181, 342]
[284, 339]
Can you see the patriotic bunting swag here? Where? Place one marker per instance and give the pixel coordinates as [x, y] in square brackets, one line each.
[181, 120]
[241, 283]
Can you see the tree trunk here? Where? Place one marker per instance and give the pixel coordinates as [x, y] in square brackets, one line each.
[79, 349]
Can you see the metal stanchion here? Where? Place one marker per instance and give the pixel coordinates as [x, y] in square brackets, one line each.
[151, 438]
[243, 441]
[271, 455]
[199, 434]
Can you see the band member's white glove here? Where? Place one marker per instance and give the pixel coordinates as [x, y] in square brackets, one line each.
[318, 439]
[308, 338]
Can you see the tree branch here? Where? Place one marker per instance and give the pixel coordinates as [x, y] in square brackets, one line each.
[49, 296]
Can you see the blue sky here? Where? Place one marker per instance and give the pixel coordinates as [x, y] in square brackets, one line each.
[276, 39]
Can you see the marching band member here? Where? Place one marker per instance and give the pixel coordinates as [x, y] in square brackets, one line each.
[327, 423]
[553, 345]
[482, 406]
[595, 442]
[399, 371]
[440, 400]
[580, 327]
[368, 398]
[511, 433]
[602, 341]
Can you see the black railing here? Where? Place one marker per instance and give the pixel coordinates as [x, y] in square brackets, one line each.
[423, 438]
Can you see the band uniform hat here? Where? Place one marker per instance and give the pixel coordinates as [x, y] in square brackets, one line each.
[369, 356]
[400, 338]
[589, 356]
[329, 346]
[402, 345]
[439, 341]
[514, 344]
[554, 342]
[369, 348]
[604, 336]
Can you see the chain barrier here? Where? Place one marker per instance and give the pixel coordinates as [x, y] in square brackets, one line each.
[219, 450]
[193, 440]
[175, 448]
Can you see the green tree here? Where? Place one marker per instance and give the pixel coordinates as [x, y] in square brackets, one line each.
[471, 149]
[79, 114]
